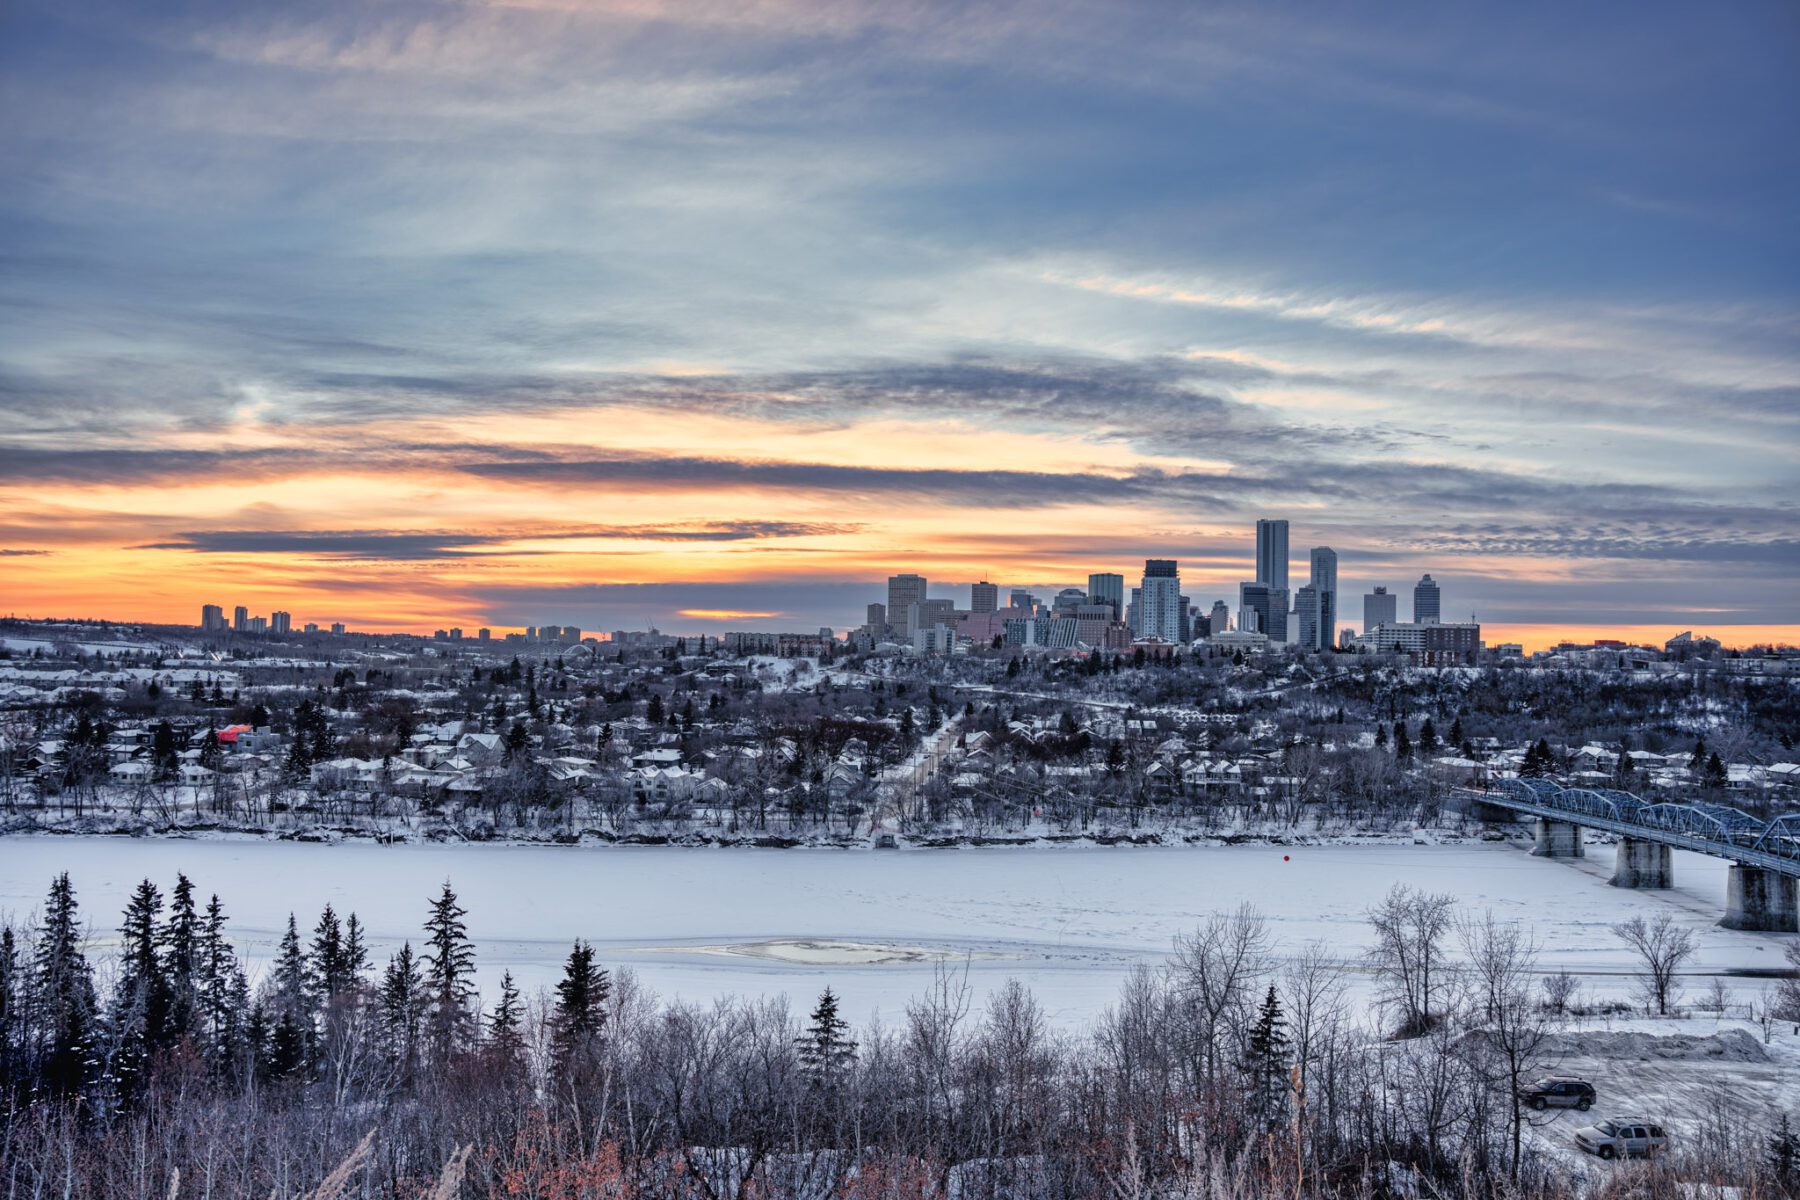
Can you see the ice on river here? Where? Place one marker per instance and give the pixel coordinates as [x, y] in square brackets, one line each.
[875, 925]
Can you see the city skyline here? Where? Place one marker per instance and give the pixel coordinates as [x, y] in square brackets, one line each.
[478, 315]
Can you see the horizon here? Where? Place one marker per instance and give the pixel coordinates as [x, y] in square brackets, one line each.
[435, 315]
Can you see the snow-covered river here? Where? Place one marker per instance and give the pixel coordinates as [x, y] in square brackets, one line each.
[699, 923]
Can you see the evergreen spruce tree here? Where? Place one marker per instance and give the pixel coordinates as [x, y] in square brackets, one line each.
[356, 951]
[449, 971]
[504, 1025]
[140, 1009]
[181, 960]
[212, 754]
[12, 1026]
[327, 966]
[1716, 775]
[1428, 739]
[1381, 737]
[402, 1004]
[222, 991]
[826, 1052]
[1697, 759]
[1268, 1064]
[289, 1001]
[1402, 743]
[1456, 732]
[1784, 1155]
[64, 1006]
[580, 1010]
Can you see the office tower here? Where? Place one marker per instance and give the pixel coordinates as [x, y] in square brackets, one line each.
[1263, 609]
[240, 619]
[1317, 602]
[1306, 613]
[904, 591]
[1272, 553]
[1427, 602]
[927, 613]
[1380, 607]
[1133, 608]
[876, 623]
[280, 622]
[1159, 601]
[1108, 589]
[212, 618]
[1065, 602]
[1021, 598]
[1324, 568]
[984, 597]
[1220, 621]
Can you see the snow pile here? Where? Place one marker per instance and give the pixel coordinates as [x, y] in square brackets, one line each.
[1727, 1045]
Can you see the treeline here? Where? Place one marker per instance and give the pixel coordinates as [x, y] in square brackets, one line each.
[1229, 1072]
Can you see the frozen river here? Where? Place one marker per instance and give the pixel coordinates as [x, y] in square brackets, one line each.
[699, 923]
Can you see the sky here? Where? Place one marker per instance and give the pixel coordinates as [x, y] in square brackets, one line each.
[712, 316]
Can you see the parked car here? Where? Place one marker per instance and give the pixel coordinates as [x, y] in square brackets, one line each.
[1558, 1091]
[1631, 1138]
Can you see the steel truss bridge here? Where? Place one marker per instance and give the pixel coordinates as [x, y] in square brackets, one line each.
[1715, 829]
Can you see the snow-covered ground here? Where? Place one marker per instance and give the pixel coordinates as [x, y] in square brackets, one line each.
[1069, 921]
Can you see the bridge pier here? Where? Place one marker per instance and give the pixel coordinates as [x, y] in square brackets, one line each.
[1760, 900]
[1639, 863]
[1558, 839]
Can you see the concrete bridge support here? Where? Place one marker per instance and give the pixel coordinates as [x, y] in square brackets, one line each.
[1760, 900]
[1643, 864]
[1558, 839]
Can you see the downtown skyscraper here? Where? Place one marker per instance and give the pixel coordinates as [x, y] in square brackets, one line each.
[1272, 553]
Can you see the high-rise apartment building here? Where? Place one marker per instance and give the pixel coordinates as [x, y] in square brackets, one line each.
[1220, 621]
[1108, 589]
[240, 619]
[484, 635]
[876, 622]
[337, 627]
[1272, 553]
[904, 591]
[1159, 608]
[1380, 607]
[280, 622]
[212, 618]
[984, 597]
[1427, 601]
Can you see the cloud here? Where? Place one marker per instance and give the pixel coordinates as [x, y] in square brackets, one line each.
[23, 553]
[406, 545]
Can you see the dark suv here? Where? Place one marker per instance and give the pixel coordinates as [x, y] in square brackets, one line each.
[1558, 1091]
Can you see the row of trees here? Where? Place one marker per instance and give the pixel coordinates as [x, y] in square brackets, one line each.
[1239, 1068]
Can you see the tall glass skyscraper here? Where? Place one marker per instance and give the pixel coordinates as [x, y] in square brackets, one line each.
[1272, 553]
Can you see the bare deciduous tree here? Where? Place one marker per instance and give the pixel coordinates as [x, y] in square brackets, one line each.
[1408, 955]
[1661, 949]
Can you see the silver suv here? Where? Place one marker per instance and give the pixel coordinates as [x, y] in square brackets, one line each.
[1630, 1138]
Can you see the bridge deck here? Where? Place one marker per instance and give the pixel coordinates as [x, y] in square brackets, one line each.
[1753, 855]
